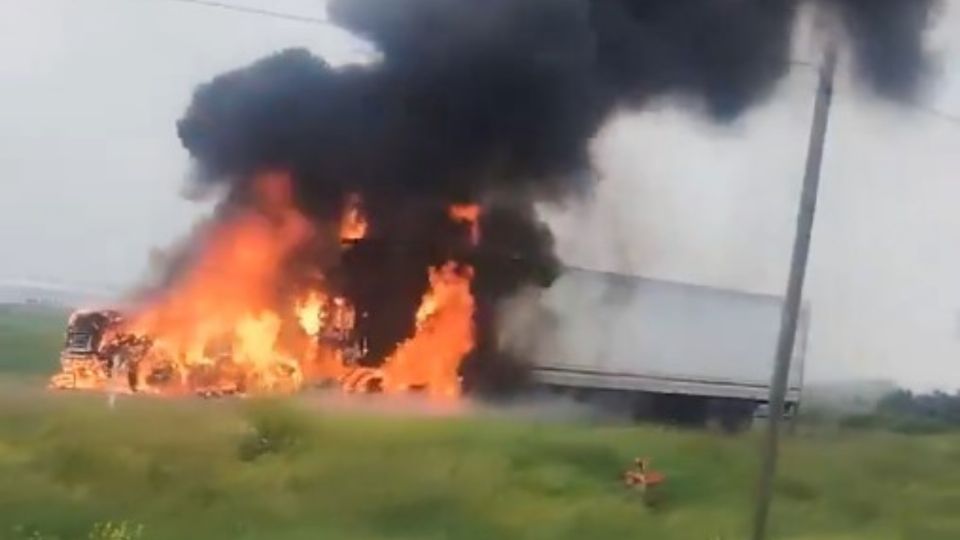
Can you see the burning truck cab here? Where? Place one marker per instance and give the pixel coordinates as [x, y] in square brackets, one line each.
[102, 351]
[235, 321]
[95, 349]
[86, 330]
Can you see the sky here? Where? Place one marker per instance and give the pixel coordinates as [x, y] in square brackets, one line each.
[93, 175]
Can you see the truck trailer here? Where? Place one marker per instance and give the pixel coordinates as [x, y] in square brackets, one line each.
[669, 351]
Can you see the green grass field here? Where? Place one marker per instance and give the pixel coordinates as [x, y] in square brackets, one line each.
[74, 468]
[30, 338]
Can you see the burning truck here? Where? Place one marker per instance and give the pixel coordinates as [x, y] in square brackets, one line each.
[375, 218]
[228, 325]
[103, 352]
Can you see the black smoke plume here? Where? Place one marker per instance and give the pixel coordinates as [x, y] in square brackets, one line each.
[495, 102]
[886, 36]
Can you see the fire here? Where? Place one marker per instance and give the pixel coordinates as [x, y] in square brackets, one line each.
[309, 311]
[267, 369]
[470, 215]
[444, 336]
[84, 374]
[353, 225]
[216, 329]
[227, 326]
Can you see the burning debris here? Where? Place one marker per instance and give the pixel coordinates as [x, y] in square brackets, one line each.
[227, 327]
[642, 478]
[377, 215]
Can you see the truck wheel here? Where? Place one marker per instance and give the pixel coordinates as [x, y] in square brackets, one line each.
[680, 410]
[731, 415]
[644, 407]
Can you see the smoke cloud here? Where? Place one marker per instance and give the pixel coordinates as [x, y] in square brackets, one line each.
[495, 102]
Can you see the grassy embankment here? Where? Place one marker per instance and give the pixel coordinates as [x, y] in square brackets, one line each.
[289, 469]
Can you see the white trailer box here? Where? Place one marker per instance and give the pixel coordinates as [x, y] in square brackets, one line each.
[596, 330]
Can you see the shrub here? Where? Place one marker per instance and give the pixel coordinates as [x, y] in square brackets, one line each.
[937, 406]
[904, 412]
[273, 429]
[122, 530]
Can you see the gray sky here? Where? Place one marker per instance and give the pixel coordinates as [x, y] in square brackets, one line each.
[89, 93]
[92, 172]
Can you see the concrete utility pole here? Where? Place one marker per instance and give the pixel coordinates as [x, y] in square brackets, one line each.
[791, 305]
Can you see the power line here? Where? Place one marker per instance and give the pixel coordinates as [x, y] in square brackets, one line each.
[943, 115]
[261, 12]
[804, 63]
[908, 103]
[915, 105]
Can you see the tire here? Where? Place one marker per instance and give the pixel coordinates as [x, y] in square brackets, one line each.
[731, 415]
[681, 410]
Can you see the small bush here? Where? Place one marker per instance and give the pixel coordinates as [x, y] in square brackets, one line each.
[795, 488]
[862, 421]
[934, 408]
[918, 425]
[24, 533]
[121, 530]
[910, 414]
[273, 429]
[907, 425]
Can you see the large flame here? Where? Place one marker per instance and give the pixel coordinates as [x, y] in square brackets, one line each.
[353, 224]
[224, 326]
[218, 325]
[444, 335]
[470, 215]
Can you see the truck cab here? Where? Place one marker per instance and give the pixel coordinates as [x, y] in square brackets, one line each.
[86, 330]
[85, 360]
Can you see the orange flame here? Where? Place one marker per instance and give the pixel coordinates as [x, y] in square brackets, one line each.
[353, 224]
[444, 335]
[218, 329]
[224, 305]
[309, 312]
[470, 215]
